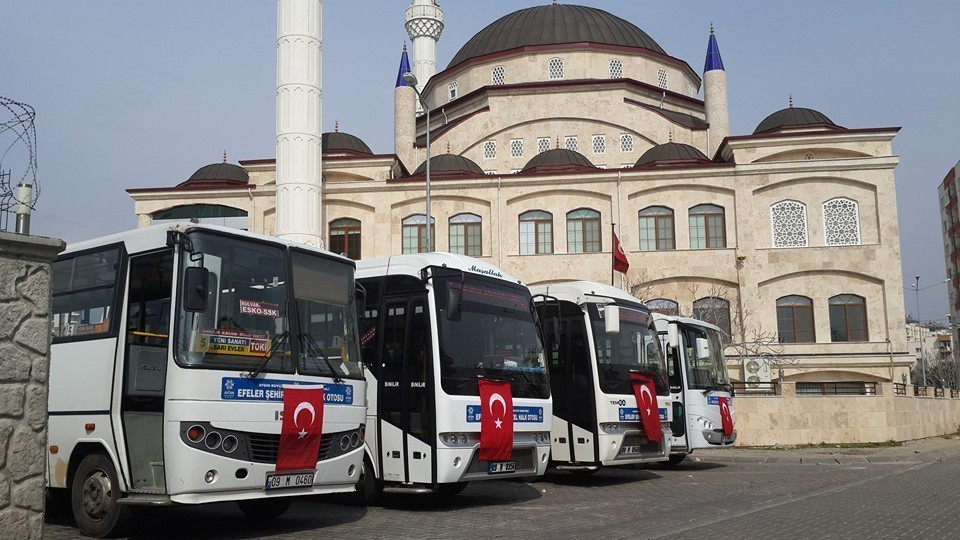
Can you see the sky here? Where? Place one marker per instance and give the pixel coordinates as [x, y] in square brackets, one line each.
[141, 94]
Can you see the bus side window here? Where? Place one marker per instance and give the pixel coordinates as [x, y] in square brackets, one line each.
[84, 289]
[148, 305]
[368, 320]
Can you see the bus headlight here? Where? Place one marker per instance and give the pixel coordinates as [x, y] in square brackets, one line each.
[195, 433]
[344, 442]
[612, 428]
[213, 440]
[229, 444]
[456, 439]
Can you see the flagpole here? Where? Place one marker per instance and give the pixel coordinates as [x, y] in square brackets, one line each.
[613, 253]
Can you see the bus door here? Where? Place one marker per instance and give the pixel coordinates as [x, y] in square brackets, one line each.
[675, 368]
[406, 392]
[571, 383]
[145, 366]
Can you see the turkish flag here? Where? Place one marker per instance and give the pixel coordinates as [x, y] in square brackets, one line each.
[496, 420]
[302, 428]
[726, 419]
[646, 393]
[620, 262]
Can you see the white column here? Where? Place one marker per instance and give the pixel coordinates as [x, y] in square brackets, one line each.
[299, 92]
[424, 23]
[715, 106]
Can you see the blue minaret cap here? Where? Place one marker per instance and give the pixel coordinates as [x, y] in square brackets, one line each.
[404, 68]
[713, 54]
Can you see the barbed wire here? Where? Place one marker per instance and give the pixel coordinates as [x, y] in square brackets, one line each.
[17, 130]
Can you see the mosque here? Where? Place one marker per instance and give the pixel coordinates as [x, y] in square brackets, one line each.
[556, 127]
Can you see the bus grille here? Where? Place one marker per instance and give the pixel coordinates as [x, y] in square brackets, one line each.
[264, 447]
[646, 445]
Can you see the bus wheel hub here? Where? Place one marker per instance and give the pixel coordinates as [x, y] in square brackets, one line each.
[96, 494]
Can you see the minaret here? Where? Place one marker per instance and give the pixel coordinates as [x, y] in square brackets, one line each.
[299, 161]
[715, 96]
[424, 26]
[404, 116]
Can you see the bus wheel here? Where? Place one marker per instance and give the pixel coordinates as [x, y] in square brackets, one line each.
[94, 498]
[263, 509]
[675, 459]
[369, 489]
[448, 490]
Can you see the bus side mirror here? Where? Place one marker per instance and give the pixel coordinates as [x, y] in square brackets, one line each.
[454, 303]
[673, 336]
[703, 348]
[195, 279]
[611, 319]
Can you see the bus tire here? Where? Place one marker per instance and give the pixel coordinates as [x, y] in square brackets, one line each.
[95, 496]
[369, 488]
[675, 459]
[449, 490]
[264, 509]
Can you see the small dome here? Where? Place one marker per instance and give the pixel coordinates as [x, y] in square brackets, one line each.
[447, 164]
[337, 141]
[558, 159]
[671, 154]
[220, 171]
[793, 117]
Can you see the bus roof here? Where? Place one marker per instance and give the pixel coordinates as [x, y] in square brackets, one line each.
[657, 317]
[155, 237]
[579, 291]
[412, 264]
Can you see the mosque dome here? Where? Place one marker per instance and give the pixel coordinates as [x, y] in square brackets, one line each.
[554, 25]
[217, 175]
[337, 141]
[449, 164]
[558, 160]
[671, 154]
[793, 117]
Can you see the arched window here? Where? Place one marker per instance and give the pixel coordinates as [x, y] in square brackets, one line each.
[489, 149]
[555, 68]
[498, 76]
[656, 229]
[452, 88]
[213, 214]
[570, 143]
[841, 222]
[848, 318]
[583, 231]
[465, 234]
[536, 232]
[664, 306]
[715, 311]
[707, 227]
[415, 234]
[626, 142]
[788, 220]
[543, 144]
[795, 319]
[662, 78]
[616, 69]
[345, 237]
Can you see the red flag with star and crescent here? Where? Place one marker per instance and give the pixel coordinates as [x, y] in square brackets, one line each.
[726, 419]
[496, 420]
[302, 428]
[646, 393]
[620, 262]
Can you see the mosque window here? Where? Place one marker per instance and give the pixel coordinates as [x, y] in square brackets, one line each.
[498, 76]
[536, 232]
[543, 144]
[452, 87]
[570, 143]
[465, 234]
[626, 142]
[490, 149]
[599, 144]
[345, 237]
[707, 227]
[415, 234]
[583, 231]
[664, 305]
[662, 78]
[795, 319]
[556, 68]
[516, 147]
[788, 220]
[616, 69]
[848, 318]
[715, 311]
[841, 222]
[656, 229]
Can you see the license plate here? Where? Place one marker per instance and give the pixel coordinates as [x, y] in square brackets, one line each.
[624, 450]
[503, 467]
[288, 480]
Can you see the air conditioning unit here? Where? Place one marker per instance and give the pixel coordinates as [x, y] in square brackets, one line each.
[756, 374]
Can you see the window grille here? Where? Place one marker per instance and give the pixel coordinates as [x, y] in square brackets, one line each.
[452, 87]
[543, 144]
[788, 220]
[599, 144]
[498, 76]
[616, 69]
[662, 78]
[626, 142]
[516, 147]
[570, 143]
[556, 68]
[841, 222]
[490, 149]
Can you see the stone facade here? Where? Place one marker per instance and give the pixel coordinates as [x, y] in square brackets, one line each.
[24, 364]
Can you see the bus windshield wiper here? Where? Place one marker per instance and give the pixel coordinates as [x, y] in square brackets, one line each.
[307, 338]
[278, 342]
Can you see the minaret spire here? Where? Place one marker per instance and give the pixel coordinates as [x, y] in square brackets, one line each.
[715, 95]
[404, 116]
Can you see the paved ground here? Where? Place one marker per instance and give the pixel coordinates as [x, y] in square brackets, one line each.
[909, 491]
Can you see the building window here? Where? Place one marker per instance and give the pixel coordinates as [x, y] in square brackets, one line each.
[345, 237]
[543, 144]
[616, 69]
[583, 231]
[788, 220]
[536, 232]
[656, 229]
[707, 227]
[848, 318]
[664, 306]
[516, 147]
[570, 143]
[465, 234]
[795, 319]
[556, 68]
[498, 76]
[662, 78]
[452, 88]
[841, 222]
[626, 142]
[490, 149]
[415, 234]
[599, 144]
[715, 311]
[808, 157]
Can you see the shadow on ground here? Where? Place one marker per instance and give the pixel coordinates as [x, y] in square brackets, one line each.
[477, 495]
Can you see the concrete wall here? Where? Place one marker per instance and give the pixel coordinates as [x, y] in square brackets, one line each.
[24, 364]
[789, 419]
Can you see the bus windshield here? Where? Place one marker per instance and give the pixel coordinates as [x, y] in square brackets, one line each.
[496, 337]
[635, 348]
[706, 366]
